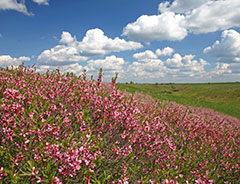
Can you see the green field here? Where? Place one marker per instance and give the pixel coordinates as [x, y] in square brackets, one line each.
[221, 97]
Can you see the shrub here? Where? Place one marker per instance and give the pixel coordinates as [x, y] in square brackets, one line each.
[57, 128]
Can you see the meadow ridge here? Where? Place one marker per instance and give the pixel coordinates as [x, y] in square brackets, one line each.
[221, 97]
[61, 128]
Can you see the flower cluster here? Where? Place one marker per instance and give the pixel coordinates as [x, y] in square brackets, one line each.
[60, 128]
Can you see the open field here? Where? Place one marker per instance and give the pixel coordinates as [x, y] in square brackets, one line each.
[221, 97]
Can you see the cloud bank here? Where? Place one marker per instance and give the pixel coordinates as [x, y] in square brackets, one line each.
[228, 49]
[151, 67]
[6, 60]
[94, 43]
[181, 17]
[166, 26]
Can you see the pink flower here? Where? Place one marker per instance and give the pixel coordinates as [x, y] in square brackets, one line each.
[34, 171]
[40, 179]
[26, 141]
[57, 180]
[2, 174]
[153, 181]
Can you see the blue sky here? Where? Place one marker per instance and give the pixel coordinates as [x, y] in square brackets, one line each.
[144, 41]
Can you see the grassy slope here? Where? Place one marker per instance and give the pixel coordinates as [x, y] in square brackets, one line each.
[222, 97]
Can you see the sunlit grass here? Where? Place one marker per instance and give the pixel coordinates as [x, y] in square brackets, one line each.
[221, 97]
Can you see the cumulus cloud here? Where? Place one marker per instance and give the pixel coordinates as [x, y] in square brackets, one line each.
[224, 72]
[166, 26]
[94, 43]
[214, 15]
[146, 55]
[110, 66]
[167, 51]
[174, 62]
[6, 60]
[149, 67]
[43, 2]
[180, 17]
[220, 69]
[67, 38]
[180, 6]
[60, 55]
[186, 65]
[228, 49]
[71, 68]
[146, 71]
[149, 55]
[227, 53]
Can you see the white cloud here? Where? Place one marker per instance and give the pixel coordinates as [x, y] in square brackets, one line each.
[204, 16]
[227, 53]
[174, 62]
[19, 6]
[110, 66]
[221, 68]
[166, 26]
[175, 68]
[14, 5]
[6, 60]
[67, 38]
[186, 65]
[180, 17]
[214, 15]
[74, 68]
[224, 72]
[180, 6]
[146, 71]
[60, 55]
[228, 49]
[109, 63]
[94, 43]
[167, 51]
[44, 2]
[146, 55]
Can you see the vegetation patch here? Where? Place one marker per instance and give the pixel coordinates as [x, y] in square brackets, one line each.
[221, 97]
[60, 128]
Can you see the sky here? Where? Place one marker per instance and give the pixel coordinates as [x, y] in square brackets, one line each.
[144, 41]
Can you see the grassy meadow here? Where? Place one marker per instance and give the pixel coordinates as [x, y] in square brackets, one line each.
[221, 97]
